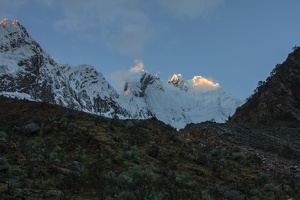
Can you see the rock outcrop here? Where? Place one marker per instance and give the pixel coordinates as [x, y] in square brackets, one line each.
[277, 100]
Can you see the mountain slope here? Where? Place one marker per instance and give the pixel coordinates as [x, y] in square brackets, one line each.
[277, 100]
[52, 152]
[27, 71]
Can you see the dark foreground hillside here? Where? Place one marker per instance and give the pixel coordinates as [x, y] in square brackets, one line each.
[50, 152]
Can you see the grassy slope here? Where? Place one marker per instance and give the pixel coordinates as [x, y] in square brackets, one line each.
[48, 151]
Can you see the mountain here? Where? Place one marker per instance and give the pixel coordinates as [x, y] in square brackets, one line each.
[178, 101]
[27, 71]
[275, 101]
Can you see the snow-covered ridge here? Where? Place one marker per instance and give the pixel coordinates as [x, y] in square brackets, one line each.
[178, 101]
[27, 71]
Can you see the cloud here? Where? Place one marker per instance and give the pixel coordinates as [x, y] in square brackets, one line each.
[121, 25]
[202, 83]
[48, 3]
[120, 77]
[126, 27]
[9, 8]
[139, 66]
[190, 8]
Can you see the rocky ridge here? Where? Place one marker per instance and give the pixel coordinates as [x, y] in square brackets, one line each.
[276, 100]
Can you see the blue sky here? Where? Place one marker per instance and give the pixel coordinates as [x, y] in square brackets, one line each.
[233, 42]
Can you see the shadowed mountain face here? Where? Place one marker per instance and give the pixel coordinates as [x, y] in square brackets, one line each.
[277, 100]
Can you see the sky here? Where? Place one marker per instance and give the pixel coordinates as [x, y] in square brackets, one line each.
[235, 43]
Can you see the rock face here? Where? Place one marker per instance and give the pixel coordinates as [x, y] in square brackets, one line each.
[277, 100]
[27, 71]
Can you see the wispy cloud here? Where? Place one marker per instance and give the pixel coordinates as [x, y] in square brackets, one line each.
[9, 8]
[139, 66]
[124, 26]
[205, 84]
[46, 2]
[190, 8]
[121, 25]
[120, 77]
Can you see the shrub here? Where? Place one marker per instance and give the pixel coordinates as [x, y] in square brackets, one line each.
[270, 187]
[77, 166]
[32, 128]
[180, 139]
[140, 183]
[129, 125]
[124, 178]
[14, 182]
[189, 157]
[255, 193]
[72, 126]
[239, 156]
[233, 195]
[201, 159]
[217, 152]
[85, 130]
[3, 135]
[4, 166]
[206, 195]
[126, 195]
[223, 163]
[71, 184]
[264, 176]
[214, 152]
[133, 153]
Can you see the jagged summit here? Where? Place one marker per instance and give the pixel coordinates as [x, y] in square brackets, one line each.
[178, 81]
[12, 35]
[138, 82]
[277, 100]
[10, 23]
[6, 21]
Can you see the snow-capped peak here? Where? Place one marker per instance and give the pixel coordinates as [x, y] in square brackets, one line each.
[13, 36]
[178, 81]
[10, 30]
[6, 21]
[29, 72]
[176, 78]
[138, 81]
